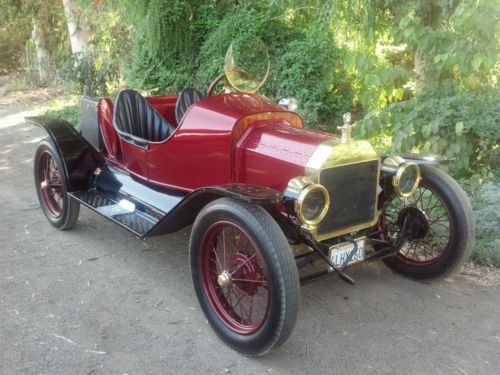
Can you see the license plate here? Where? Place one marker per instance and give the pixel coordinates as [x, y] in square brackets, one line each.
[340, 252]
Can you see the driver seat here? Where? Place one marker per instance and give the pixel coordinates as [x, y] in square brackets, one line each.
[135, 116]
[187, 97]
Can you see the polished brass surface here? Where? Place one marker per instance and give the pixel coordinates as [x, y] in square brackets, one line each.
[297, 189]
[299, 204]
[346, 128]
[224, 279]
[396, 179]
[44, 185]
[331, 154]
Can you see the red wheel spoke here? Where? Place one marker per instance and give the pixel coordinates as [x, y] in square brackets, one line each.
[217, 258]
[250, 281]
[240, 298]
[224, 248]
[242, 264]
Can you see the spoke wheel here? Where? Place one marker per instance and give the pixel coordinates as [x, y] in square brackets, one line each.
[429, 231]
[235, 277]
[50, 182]
[244, 275]
[440, 234]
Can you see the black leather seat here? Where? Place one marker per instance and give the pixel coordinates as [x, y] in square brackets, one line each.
[134, 115]
[186, 98]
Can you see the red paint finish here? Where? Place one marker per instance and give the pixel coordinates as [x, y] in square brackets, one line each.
[270, 154]
[165, 106]
[108, 132]
[222, 139]
[134, 158]
[200, 152]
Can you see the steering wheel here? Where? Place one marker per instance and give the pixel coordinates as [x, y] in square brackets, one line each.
[214, 83]
[221, 76]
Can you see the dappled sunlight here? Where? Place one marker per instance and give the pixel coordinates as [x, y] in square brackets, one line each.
[34, 140]
[15, 119]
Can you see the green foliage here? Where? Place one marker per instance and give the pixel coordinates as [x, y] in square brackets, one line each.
[17, 84]
[461, 45]
[93, 73]
[66, 108]
[463, 126]
[321, 84]
[487, 215]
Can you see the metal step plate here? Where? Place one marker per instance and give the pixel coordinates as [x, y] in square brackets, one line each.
[121, 209]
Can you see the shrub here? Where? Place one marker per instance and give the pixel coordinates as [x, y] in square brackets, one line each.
[487, 215]
[463, 126]
[17, 84]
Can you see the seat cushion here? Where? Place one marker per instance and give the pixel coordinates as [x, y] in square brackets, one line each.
[187, 97]
[134, 115]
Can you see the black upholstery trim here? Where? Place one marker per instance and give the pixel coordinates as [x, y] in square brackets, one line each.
[187, 97]
[134, 116]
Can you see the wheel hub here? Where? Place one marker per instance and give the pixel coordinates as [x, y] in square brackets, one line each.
[44, 185]
[224, 279]
[418, 222]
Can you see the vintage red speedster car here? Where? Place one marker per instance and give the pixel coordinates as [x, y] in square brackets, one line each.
[254, 184]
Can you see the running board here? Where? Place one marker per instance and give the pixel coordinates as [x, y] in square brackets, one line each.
[121, 209]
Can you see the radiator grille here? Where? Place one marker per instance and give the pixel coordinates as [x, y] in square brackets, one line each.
[352, 191]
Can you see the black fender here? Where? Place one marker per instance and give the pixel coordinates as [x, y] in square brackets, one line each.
[185, 212]
[80, 159]
[429, 159]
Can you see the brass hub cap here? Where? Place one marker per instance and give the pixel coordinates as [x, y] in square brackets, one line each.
[44, 185]
[224, 279]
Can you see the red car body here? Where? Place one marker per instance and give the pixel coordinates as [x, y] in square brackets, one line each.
[223, 139]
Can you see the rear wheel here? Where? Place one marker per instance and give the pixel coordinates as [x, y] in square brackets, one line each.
[60, 209]
[244, 275]
[441, 229]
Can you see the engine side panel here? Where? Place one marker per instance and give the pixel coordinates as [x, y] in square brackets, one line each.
[273, 153]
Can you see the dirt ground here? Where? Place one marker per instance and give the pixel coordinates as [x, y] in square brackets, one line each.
[95, 300]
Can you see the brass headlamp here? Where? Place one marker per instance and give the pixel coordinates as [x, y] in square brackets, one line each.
[311, 201]
[405, 175]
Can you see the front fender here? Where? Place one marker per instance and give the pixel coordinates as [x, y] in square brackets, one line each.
[79, 158]
[185, 212]
[429, 159]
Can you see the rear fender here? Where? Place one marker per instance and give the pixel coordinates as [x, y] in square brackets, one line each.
[80, 160]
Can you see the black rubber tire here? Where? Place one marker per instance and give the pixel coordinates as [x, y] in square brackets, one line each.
[462, 228]
[283, 274]
[71, 207]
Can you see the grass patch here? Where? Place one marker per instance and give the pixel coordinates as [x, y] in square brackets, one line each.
[66, 108]
[15, 85]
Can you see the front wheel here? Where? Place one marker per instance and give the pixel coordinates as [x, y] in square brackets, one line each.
[244, 275]
[441, 230]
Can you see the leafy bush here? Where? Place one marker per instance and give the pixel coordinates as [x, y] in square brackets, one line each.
[487, 215]
[463, 126]
[66, 108]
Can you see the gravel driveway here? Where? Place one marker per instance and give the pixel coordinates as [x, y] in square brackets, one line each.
[95, 300]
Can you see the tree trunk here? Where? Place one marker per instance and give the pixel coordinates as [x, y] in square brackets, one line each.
[79, 33]
[43, 57]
